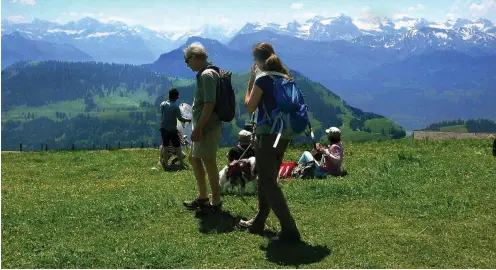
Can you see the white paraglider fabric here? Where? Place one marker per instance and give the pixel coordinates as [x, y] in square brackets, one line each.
[186, 111]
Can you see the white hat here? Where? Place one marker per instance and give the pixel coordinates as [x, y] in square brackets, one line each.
[333, 132]
[244, 133]
[244, 136]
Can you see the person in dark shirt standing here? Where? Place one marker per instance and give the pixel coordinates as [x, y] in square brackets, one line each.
[170, 113]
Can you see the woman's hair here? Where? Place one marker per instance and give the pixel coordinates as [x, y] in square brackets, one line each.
[264, 52]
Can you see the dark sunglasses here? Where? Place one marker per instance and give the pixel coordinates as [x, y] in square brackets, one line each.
[187, 59]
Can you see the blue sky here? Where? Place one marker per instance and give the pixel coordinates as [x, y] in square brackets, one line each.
[188, 14]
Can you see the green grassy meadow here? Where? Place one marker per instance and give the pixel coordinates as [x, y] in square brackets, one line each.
[403, 204]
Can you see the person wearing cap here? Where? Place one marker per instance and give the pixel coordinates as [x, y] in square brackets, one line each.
[332, 155]
[244, 139]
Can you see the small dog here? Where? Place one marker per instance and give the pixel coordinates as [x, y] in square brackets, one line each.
[239, 173]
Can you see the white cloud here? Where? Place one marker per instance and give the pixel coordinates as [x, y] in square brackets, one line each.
[17, 19]
[296, 6]
[416, 7]
[365, 9]
[450, 16]
[223, 20]
[486, 8]
[24, 2]
[83, 14]
[304, 16]
[476, 7]
[365, 12]
[401, 15]
[473, 9]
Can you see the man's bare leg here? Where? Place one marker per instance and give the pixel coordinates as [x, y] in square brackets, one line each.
[199, 172]
[213, 178]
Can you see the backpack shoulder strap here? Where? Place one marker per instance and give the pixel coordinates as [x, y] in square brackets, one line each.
[274, 73]
[262, 74]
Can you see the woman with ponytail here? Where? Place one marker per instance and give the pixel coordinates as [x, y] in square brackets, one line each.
[259, 95]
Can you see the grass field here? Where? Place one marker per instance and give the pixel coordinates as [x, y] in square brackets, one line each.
[403, 204]
[456, 128]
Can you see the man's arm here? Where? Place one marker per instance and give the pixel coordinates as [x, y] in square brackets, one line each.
[179, 116]
[208, 108]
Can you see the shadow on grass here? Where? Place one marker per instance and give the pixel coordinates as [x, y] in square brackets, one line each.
[237, 193]
[223, 222]
[295, 254]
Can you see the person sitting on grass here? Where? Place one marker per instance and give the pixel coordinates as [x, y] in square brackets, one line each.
[332, 155]
[244, 140]
[168, 126]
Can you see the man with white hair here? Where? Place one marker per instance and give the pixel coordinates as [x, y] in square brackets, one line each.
[207, 130]
[332, 155]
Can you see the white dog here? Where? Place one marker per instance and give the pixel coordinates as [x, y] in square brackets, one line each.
[238, 173]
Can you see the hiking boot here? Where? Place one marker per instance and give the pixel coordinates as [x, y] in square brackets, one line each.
[281, 237]
[209, 208]
[182, 167]
[196, 204]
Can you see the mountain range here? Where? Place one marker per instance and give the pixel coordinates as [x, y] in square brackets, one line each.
[113, 41]
[411, 70]
[121, 43]
[17, 48]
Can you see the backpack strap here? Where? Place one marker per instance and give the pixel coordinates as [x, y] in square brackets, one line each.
[280, 116]
[266, 114]
[217, 90]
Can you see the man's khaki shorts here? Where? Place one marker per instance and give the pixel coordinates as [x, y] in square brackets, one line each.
[207, 147]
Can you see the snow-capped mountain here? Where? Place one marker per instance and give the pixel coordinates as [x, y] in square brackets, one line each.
[344, 27]
[317, 28]
[106, 42]
[114, 41]
[16, 48]
[409, 35]
[474, 38]
[121, 43]
[217, 32]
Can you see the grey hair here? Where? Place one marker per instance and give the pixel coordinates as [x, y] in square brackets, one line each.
[197, 50]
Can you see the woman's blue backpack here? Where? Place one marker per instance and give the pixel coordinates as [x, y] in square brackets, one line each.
[290, 117]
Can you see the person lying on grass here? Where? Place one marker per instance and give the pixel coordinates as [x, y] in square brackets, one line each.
[331, 156]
